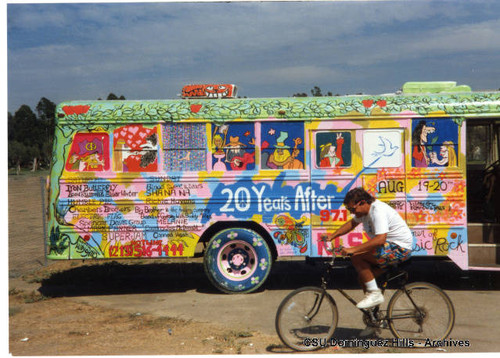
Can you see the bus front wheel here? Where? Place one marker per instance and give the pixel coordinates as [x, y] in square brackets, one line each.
[237, 260]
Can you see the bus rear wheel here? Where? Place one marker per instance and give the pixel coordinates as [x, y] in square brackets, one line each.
[237, 260]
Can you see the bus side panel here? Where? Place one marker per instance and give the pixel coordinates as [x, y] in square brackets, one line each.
[436, 206]
[274, 192]
[426, 187]
[142, 217]
[372, 156]
[335, 164]
[101, 210]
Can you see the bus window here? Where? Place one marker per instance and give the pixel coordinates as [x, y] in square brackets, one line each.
[282, 145]
[383, 148]
[185, 146]
[333, 149]
[89, 153]
[478, 144]
[135, 149]
[233, 147]
[434, 143]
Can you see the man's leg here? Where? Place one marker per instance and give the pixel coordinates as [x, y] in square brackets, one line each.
[365, 264]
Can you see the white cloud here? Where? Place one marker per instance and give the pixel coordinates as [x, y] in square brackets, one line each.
[149, 50]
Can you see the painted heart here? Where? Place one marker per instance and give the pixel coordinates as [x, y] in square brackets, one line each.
[368, 103]
[382, 103]
[195, 108]
[75, 109]
[142, 134]
[133, 129]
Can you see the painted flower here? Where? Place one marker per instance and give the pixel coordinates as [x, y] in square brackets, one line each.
[255, 280]
[257, 241]
[232, 235]
[216, 244]
[263, 264]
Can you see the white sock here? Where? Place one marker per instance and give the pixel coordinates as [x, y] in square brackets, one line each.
[371, 285]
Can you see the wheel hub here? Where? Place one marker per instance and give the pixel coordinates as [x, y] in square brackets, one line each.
[237, 260]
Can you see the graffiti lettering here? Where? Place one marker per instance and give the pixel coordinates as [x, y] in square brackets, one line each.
[97, 190]
[432, 185]
[443, 245]
[353, 239]
[85, 250]
[390, 186]
[334, 215]
[308, 200]
[125, 235]
[423, 246]
[141, 248]
[425, 205]
[397, 205]
[305, 200]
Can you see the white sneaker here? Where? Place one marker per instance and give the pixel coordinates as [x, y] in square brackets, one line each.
[372, 299]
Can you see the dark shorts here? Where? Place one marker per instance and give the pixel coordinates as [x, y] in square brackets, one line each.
[391, 254]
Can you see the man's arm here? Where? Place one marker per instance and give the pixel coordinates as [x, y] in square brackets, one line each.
[377, 241]
[344, 229]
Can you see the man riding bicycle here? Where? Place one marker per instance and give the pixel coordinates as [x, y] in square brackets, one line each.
[390, 241]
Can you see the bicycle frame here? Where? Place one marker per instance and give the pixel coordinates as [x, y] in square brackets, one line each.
[371, 313]
[410, 311]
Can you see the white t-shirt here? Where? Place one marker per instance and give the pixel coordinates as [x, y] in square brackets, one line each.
[382, 219]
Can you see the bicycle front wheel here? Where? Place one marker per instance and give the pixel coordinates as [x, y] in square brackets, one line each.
[421, 312]
[306, 319]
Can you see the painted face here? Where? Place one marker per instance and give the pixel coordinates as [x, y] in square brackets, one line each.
[444, 151]
[218, 141]
[423, 136]
[331, 151]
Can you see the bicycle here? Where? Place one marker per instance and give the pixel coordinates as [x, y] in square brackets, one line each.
[417, 313]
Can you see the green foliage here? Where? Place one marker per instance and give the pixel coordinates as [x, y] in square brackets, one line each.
[58, 242]
[315, 92]
[30, 135]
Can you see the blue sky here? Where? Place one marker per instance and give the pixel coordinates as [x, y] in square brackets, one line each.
[65, 51]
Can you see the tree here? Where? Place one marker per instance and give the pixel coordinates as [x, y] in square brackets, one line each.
[315, 92]
[46, 110]
[26, 137]
[113, 97]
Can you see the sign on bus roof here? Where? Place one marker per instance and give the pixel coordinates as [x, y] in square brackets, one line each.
[209, 91]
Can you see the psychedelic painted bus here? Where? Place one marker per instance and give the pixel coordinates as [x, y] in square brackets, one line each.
[244, 182]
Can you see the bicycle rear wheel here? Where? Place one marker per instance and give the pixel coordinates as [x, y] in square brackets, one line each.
[306, 319]
[424, 313]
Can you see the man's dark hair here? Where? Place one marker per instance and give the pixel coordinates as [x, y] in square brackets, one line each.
[358, 194]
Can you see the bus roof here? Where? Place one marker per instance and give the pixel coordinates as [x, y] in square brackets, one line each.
[454, 101]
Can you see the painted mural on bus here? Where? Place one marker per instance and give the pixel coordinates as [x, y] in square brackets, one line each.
[247, 181]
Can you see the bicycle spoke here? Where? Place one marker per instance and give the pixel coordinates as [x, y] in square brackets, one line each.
[423, 312]
[304, 315]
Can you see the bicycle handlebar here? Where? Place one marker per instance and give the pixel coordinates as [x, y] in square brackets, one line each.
[335, 251]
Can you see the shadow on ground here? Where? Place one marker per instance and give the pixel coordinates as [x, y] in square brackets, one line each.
[117, 278]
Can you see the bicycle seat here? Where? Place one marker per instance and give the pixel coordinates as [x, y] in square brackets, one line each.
[401, 265]
[396, 270]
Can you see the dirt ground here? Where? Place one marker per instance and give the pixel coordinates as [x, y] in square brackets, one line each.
[50, 310]
[51, 325]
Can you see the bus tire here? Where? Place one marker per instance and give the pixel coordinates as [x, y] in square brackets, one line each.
[237, 260]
